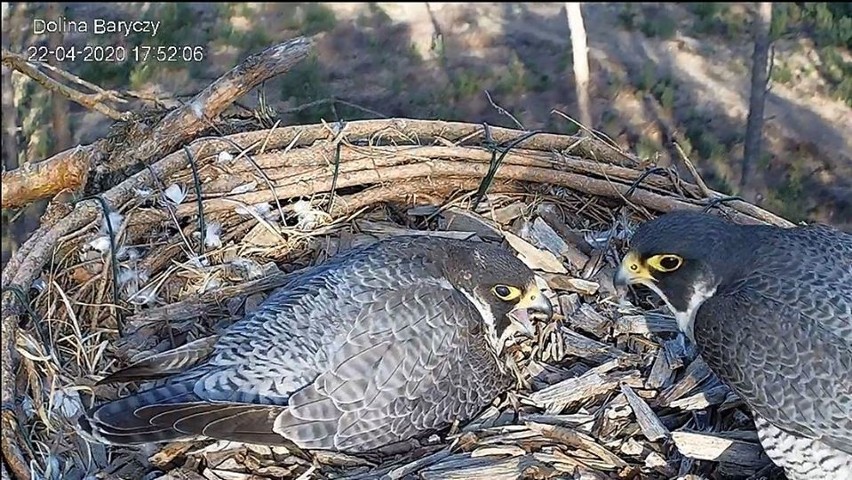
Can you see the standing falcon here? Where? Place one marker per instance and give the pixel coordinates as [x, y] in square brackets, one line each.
[770, 311]
[378, 345]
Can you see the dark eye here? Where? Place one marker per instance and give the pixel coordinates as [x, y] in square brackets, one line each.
[506, 293]
[665, 263]
[670, 263]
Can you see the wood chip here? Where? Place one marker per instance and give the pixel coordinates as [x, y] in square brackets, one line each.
[588, 385]
[181, 474]
[589, 320]
[720, 448]
[645, 324]
[696, 373]
[510, 450]
[419, 464]
[579, 252]
[661, 373]
[504, 215]
[569, 303]
[463, 220]
[573, 438]
[701, 400]
[648, 421]
[542, 235]
[168, 453]
[533, 257]
[592, 350]
[462, 467]
[571, 284]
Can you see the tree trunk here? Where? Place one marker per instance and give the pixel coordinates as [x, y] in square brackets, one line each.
[9, 134]
[581, 61]
[59, 104]
[757, 99]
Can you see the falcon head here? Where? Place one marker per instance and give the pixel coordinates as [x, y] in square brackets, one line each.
[501, 287]
[682, 257]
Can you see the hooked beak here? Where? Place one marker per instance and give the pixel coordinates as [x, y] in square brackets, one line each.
[632, 272]
[534, 302]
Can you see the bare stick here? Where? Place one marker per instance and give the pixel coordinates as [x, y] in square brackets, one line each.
[185, 122]
[90, 101]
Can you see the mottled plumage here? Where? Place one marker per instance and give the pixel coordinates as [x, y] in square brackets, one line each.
[377, 345]
[770, 311]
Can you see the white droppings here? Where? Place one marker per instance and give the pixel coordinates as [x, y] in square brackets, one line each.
[132, 254]
[198, 262]
[263, 210]
[66, 402]
[213, 284]
[132, 276]
[175, 194]
[309, 218]
[142, 193]
[212, 233]
[248, 187]
[224, 157]
[100, 243]
[28, 407]
[197, 109]
[39, 284]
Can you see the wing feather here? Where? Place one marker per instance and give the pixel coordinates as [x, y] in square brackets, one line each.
[384, 385]
[788, 368]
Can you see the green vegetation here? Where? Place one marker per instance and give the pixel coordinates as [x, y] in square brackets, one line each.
[662, 26]
[788, 198]
[781, 73]
[307, 83]
[716, 18]
[829, 26]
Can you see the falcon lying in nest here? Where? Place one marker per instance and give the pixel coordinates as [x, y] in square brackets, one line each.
[770, 310]
[380, 344]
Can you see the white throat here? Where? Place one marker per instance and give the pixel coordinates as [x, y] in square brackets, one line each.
[686, 318]
[497, 343]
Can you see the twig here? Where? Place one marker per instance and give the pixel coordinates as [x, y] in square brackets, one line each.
[503, 111]
[90, 101]
[185, 122]
[100, 94]
[694, 172]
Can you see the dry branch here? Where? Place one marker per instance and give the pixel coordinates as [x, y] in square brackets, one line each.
[68, 170]
[91, 101]
[185, 122]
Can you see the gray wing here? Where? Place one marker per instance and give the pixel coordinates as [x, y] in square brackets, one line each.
[786, 365]
[341, 329]
[399, 373]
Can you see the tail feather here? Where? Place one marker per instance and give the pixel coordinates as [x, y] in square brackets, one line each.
[165, 364]
[174, 412]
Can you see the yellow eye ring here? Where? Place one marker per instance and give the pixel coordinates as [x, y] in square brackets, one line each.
[506, 292]
[665, 263]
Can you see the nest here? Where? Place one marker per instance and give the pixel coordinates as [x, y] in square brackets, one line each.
[609, 389]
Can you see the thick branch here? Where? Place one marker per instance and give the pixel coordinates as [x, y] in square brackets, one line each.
[185, 122]
[67, 170]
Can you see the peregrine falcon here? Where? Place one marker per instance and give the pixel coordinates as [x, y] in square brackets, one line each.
[380, 344]
[770, 312]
